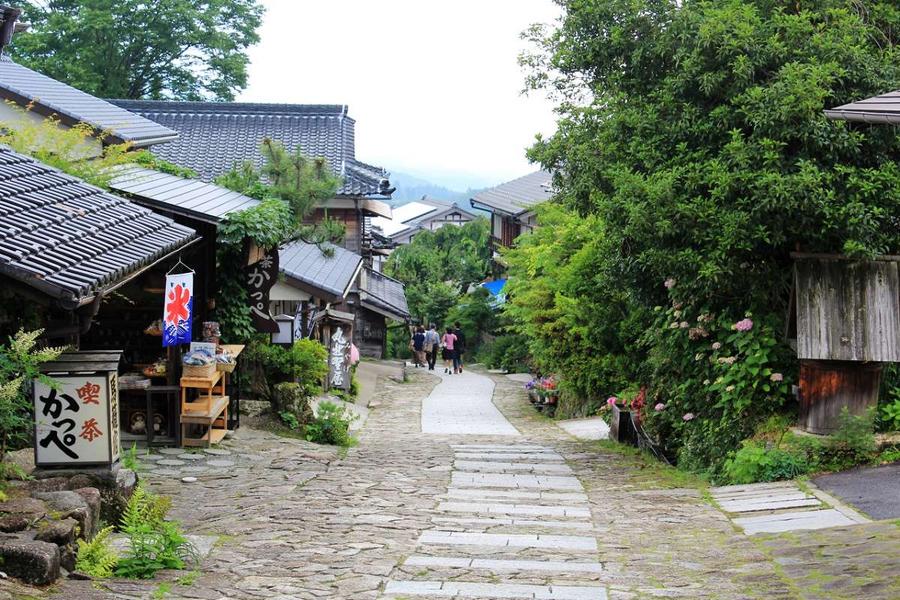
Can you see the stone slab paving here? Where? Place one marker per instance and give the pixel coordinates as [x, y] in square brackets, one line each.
[461, 404]
[783, 506]
[591, 428]
[296, 521]
[503, 467]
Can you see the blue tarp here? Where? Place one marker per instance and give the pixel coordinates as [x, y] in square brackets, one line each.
[496, 288]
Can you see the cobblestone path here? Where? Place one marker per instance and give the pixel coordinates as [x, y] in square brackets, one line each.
[415, 515]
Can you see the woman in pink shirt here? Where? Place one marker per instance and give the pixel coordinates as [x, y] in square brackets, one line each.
[447, 343]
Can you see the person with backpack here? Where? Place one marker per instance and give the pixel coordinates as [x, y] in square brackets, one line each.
[458, 348]
[432, 344]
[418, 341]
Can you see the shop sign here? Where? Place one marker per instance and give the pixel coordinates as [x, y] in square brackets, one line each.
[261, 276]
[339, 358]
[178, 308]
[76, 422]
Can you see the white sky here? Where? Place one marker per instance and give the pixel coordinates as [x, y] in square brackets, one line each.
[434, 85]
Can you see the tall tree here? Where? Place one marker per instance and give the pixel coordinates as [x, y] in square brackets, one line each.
[166, 49]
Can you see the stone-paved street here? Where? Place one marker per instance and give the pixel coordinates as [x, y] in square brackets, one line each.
[491, 515]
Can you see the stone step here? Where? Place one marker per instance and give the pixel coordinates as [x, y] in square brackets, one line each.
[499, 522]
[515, 509]
[462, 589]
[504, 480]
[746, 506]
[811, 519]
[556, 498]
[548, 456]
[502, 467]
[500, 448]
[504, 540]
[503, 565]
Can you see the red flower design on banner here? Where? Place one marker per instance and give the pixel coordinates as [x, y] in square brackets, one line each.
[177, 306]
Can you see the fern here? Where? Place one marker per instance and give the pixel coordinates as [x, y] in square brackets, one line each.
[95, 557]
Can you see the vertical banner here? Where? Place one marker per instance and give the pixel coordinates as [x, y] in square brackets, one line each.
[261, 276]
[178, 309]
[72, 423]
[339, 358]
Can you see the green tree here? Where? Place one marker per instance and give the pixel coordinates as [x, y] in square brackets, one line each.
[439, 266]
[168, 49]
[290, 186]
[692, 140]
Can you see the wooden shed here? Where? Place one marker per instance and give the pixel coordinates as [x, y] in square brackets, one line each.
[848, 326]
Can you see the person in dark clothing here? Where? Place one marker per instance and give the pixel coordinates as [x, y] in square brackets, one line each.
[432, 345]
[458, 348]
[418, 341]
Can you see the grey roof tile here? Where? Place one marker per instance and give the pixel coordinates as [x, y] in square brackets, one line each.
[383, 294]
[190, 197]
[215, 136]
[308, 267]
[519, 195]
[70, 239]
[50, 97]
[879, 109]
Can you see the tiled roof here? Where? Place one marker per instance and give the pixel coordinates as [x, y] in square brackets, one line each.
[880, 109]
[517, 196]
[50, 97]
[72, 240]
[307, 267]
[384, 295]
[215, 136]
[190, 197]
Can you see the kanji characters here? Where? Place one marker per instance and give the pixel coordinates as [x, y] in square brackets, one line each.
[90, 430]
[89, 393]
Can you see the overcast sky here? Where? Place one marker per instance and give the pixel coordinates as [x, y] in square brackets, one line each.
[434, 86]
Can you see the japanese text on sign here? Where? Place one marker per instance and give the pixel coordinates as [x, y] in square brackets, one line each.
[72, 422]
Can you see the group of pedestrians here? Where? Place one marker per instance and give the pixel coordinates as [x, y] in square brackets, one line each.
[426, 345]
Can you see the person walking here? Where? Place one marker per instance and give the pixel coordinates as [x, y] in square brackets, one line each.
[418, 340]
[447, 342]
[432, 344]
[458, 348]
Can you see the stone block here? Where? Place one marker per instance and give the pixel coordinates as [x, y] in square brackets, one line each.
[70, 504]
[31, 561]
[61, 533]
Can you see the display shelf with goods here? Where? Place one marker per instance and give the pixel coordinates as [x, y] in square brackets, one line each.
[204, 413]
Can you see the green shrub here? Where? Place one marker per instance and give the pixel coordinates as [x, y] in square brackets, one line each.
[154, 544]
[331, 426]
[95, 557]
[853, 443]
[755, 462]
[509, 352]
[889, 412]
[304, 362]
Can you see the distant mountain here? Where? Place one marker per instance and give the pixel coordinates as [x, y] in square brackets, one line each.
[410, 187]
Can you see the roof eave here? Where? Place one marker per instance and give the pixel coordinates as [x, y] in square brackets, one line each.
[838, 114]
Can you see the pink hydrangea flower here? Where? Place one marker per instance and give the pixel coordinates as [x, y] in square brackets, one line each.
[669, 283]
[684, 324]
[776, 377]
[716, 345]
[743, 325]
[688, 416]
[659, 407]
[611, 400]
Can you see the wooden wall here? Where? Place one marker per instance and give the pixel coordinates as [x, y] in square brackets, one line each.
[847, 310]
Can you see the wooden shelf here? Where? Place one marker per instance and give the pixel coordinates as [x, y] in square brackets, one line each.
[214, 436]
[201, 413]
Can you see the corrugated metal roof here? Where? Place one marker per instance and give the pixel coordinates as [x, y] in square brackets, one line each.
[384, 295]
[880, 109]
[216, 136]
[70, 239]
[517, 196]
[190, 197]
[50, 97]
[308, 268]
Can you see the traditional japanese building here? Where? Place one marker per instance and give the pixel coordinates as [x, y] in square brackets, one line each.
[214, 137]
[511, 205]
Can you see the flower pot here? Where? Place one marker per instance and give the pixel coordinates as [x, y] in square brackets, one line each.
[621, 429]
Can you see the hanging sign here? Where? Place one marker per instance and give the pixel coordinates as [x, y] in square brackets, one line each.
[77, 423]
[339, 358]
[178, 309]
[261, 276]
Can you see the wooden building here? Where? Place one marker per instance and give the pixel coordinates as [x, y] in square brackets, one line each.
[847, 328]
[511, 205]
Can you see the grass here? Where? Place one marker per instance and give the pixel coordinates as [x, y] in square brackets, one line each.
[162, 591]
[645, 471]
[188, 579]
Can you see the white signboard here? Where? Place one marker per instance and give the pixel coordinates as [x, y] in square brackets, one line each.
[72, 423]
